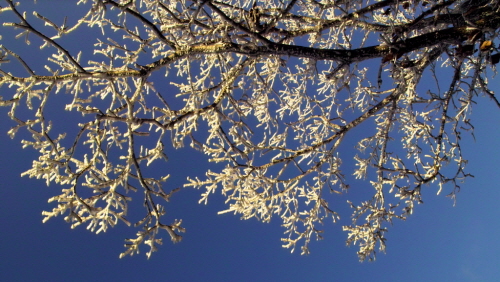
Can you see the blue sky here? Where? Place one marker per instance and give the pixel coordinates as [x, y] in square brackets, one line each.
[438, 242]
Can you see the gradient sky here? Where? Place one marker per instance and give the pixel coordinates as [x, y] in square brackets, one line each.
[438, 242]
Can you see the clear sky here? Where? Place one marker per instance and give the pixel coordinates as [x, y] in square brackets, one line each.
[438, 242]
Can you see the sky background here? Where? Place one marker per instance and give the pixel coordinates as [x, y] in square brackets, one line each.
[438, 242]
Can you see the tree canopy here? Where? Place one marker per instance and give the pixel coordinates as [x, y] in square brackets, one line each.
[282, 95]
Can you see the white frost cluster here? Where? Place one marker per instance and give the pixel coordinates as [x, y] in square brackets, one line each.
[296, 98]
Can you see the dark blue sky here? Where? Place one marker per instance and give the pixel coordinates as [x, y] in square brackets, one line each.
[438, 242]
